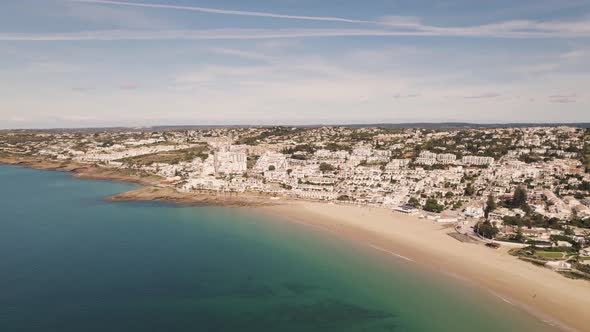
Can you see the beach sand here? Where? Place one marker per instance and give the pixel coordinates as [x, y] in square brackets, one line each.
[543, 293]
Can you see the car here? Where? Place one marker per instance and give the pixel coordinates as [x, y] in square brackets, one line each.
[493, 245]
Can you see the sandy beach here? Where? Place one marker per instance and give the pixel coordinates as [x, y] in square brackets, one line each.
[543, 293]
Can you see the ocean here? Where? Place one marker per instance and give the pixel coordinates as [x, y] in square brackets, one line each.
[70, 261]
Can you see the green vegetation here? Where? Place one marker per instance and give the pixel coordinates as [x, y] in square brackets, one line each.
[490, 205]
[574, 275]
[19, 138]
[168, 157]
[325, 167]
[298, 156]
[433, 206]
[533, 220]
[414, 202]
[274, 132]
[469, 190]
[466, 142]
[344, 198]
[486, 229]
[360, 135]
[550, 255]
[306, 148]
[519, 200]
[338, 147]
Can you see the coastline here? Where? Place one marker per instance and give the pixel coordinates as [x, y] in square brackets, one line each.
[150, 189]
[168, 194]
[549, 296]
[79, 170]
[558, 301]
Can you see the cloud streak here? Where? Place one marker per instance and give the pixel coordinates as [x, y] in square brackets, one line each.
[483, 96]
[235, 34]
[563, 98]
[225, 12]
[409, 25]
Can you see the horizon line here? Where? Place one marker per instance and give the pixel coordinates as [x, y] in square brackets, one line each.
[457, 124]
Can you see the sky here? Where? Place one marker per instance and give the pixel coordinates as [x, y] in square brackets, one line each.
[94, 63]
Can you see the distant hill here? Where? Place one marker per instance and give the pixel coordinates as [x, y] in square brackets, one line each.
[466, 125]
[424, 125]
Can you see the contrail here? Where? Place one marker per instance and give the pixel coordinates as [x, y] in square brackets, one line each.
[227, 12]
[228, 34]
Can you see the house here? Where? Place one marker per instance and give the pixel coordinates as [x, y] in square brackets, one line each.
[585, 251]
[406, 209]
[558, 265]
[474, 210]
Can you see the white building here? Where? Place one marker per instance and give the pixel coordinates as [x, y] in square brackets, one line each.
[446, 158]
[397, 164]
[426, 158]
[477, 160]
[229, 162]
[271, 161]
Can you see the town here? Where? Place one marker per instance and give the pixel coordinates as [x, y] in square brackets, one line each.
[527, 188]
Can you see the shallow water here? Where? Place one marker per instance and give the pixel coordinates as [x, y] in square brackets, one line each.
[70, 261]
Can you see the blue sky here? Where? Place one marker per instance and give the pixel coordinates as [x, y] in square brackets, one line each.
[66, 63]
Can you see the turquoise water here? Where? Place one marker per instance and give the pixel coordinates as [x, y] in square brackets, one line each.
[70, 261]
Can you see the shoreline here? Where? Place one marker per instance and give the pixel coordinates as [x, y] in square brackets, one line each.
[170, 195]
[550, 297]
[79, 170]
[150, 189]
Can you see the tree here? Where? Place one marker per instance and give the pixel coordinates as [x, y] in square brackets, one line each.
[519, 200]
[271, 168]
[414, 202]
[490, 205]
[533, 247]
[433, 206]
[576, 246]
[469, 191]
[519, 237]
[325, 167]
[343, 198]
[486, 229]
